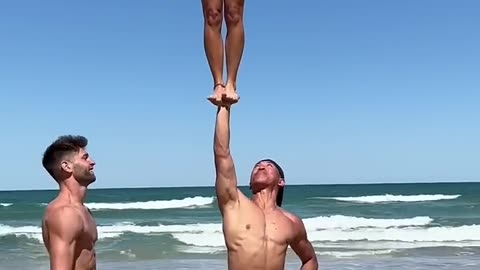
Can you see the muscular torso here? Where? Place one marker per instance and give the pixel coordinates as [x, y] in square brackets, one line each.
[256, 239]
[84, 255]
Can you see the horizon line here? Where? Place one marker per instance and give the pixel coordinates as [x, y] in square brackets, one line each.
[305, 184]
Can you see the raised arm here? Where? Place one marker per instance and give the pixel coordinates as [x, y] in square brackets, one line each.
[64, 226]
[302, 246]
[226, 180]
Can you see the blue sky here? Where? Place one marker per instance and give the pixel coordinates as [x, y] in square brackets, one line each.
[335, 91]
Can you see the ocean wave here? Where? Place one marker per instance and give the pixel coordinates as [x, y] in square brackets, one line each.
[392, 245]
[408, 234]
[188, 202]
[312, 224]
[201, 250]
[347, 254]
[394, 198]
[322, 231]
[161, 204]
[32, 232]
[415, 237]
[349, 222]
[5, 204]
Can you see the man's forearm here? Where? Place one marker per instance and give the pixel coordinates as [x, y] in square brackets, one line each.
[226, 180]
[311, 264]
[222, 133]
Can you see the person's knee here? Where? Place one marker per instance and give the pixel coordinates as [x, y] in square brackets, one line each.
[233, 15]
[213, 17]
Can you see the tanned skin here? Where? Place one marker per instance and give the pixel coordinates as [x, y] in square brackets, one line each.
[69, 231]
[257, 232]
[214, 11]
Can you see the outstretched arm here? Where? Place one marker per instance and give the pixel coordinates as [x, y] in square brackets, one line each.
[226, 180]
[302, 246]
[64, 227]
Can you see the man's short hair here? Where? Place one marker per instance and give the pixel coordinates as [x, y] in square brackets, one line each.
[57, 151]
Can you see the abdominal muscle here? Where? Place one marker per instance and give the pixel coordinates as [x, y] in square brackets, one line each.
[256, 240]
[261, 258]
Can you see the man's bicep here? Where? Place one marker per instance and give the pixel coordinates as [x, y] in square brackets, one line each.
[62, 252]
[226, 180]
[302, 246]
[304, 250]
[64, 227]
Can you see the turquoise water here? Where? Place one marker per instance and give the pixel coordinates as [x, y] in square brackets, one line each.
[359, 226]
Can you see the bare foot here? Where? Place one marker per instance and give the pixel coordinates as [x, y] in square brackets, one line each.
[218, 94]
[231, 96]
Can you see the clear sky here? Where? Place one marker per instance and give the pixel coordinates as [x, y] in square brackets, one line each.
[335, 91]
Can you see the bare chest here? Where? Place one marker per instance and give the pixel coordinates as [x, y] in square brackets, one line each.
[90, 233]
[252, 227]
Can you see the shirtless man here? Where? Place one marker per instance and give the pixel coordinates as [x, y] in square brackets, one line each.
[257, 231]
[68, 228]
[213, 13]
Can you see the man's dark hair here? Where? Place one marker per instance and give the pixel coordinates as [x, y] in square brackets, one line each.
[282, 175]
[63, 146]
[280, 196]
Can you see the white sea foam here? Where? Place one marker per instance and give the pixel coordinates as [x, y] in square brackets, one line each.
[395, 198]
[347, 254]
[408, 234]
[5, 204]
[201, 250]
[410, 237]
[191, 228]
[334, 231]
[348, 222]
[32, 232]
[160, 204]
[393, 245]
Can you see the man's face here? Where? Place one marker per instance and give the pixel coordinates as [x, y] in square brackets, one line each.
[264, 174]
[83, 167]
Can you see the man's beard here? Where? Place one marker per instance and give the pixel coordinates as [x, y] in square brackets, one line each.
[84, 176]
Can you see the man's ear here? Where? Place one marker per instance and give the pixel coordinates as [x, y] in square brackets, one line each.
[281, 182]
[66, 166]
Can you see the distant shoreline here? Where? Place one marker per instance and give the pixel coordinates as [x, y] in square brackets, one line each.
[244, 186]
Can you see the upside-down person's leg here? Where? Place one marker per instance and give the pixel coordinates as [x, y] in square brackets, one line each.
[234, 45]
[213, 45]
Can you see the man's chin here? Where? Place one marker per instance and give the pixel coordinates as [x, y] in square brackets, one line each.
[90, 181]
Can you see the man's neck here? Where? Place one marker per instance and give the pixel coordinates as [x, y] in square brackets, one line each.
[265, 199]
[74, 192]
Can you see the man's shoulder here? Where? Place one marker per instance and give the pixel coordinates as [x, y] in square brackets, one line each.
[296, 220]
[60, 216]
[298, 227]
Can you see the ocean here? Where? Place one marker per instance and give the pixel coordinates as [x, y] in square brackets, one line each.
[368, 226]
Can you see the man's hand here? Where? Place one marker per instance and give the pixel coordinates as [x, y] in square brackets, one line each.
[226, 179]
[64, 226]
[301, 246]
